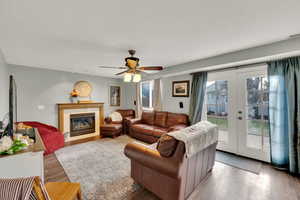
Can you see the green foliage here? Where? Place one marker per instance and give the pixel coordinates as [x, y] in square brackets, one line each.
[16, 147]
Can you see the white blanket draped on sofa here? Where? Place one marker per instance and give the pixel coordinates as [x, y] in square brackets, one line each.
[197, 137]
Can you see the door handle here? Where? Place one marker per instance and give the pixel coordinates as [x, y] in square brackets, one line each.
[240, 118]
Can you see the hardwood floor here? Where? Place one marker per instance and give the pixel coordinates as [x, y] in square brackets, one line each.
[224, 183]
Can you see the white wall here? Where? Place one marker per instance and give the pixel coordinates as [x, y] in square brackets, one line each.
[4, 86]
[171, 104]
[129, 94]
[45, 88]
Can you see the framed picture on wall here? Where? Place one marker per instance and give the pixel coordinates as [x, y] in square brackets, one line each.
[181, 88]
[115, 95]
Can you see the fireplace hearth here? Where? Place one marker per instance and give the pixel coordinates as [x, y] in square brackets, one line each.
[81, 124]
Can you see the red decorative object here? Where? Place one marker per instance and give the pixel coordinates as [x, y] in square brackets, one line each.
[53, 139]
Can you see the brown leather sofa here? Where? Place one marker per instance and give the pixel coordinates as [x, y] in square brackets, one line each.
[170, 178]
[153, 125]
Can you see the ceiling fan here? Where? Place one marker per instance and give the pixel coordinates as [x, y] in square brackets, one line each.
[133, 69]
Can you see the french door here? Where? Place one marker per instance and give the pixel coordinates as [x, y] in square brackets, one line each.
[237, 101]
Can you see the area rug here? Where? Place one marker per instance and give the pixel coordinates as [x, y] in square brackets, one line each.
[101, 168]
[239, 162]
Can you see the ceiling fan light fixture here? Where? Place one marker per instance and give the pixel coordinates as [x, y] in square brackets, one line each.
[127, 77]
[137, 78]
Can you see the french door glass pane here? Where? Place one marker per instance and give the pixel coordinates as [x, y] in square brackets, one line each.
[217, 106]
[257, 113]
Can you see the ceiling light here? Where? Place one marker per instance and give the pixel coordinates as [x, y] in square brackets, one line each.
[127, 77]
[137, 78]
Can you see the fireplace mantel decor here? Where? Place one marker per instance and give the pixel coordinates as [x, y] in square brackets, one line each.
[67, 110]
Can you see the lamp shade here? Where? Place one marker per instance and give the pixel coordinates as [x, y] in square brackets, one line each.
[127, 77]
[137, 78]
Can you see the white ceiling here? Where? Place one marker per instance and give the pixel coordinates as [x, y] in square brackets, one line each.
[78, 35]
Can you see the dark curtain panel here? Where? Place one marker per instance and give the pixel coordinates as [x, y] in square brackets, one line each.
[284, 112]
[197, 96]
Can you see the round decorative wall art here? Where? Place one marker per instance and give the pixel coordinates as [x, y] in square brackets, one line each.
[84, 88]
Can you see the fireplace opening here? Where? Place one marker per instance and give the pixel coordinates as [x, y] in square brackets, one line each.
[81, 124]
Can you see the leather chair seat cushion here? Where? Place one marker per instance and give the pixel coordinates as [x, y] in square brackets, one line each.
[166, 145]
[149, 130]
[161, 119]
[148, 118]
[111, 127]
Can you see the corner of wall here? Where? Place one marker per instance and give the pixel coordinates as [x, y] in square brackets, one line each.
[4, 77]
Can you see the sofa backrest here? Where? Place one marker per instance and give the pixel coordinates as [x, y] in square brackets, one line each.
[161, 119]
[164, 119]
[148, 117]
[126, 112]
[177, 118]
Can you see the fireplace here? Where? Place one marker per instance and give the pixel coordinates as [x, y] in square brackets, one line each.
[81, 124]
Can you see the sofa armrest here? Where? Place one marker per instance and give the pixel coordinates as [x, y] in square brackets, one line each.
[152, 159]
[176, 127]
[133, 121]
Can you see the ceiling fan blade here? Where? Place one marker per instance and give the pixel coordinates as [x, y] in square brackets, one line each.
[151, 68]
[122, 72]
[107, 67]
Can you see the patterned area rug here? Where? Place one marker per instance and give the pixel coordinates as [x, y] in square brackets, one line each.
[102, 169]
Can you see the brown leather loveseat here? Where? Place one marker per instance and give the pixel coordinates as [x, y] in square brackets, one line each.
[153, 125]
[165, 170]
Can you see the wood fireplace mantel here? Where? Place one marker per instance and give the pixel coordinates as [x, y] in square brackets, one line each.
[67, 106]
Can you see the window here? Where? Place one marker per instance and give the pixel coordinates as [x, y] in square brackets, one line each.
[147, 92]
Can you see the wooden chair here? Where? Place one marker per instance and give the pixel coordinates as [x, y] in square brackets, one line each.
[57, 190]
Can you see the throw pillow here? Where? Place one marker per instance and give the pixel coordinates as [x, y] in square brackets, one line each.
[166, 145]
[116, 117]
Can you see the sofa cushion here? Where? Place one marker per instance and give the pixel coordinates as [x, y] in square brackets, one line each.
[166, 145]
[176, 118]
[159, 131]
[160, 119]
[143, 129]
[148, 118]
